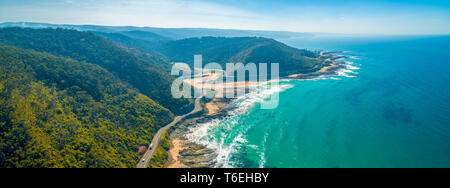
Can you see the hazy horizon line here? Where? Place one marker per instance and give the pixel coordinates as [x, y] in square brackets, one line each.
[226, 29]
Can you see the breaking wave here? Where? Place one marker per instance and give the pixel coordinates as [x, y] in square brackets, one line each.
[226, 136]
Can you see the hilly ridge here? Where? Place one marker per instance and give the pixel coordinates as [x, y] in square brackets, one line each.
[87, 47]
[227, 50]
[172, 33]
[59, 112]
[243, 50]
[70, 98]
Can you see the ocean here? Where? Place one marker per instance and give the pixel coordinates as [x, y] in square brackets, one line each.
[389, 108]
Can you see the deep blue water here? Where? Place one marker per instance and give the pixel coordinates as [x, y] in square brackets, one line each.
[394, 111]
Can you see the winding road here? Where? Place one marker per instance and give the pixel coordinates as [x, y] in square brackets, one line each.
[143, 163]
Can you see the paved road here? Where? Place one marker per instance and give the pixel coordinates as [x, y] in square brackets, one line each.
[143, 163]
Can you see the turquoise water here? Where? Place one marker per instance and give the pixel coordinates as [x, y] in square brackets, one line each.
[391, 109]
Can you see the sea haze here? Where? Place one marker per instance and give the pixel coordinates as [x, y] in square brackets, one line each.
[389, 108]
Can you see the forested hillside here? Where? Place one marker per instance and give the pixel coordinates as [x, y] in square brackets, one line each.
[171, 33]
[58, 112]
[143, 75]
[225, 50]
[79, 99]
[144, 49]
[243, 50]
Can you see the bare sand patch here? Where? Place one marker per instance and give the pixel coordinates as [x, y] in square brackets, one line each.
[174, 154]
[211, 108]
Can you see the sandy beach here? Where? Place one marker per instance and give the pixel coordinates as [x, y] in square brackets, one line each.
[174, 154]
[218, 106]
[211, 108]
[208, 82]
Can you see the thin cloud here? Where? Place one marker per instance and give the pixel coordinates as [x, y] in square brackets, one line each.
[307, 17]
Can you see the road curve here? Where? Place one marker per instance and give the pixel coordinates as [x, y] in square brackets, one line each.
[143, 163]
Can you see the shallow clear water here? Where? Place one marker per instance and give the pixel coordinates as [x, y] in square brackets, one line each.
[393, 110]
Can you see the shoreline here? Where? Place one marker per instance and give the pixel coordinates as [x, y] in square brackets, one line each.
[186, 154]
[174, 153]
[333, 68]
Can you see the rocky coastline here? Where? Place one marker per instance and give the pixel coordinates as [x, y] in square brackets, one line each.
[186, 154]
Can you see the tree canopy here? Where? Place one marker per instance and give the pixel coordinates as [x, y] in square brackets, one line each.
[242, 50]
[59, 112]
[143, 75]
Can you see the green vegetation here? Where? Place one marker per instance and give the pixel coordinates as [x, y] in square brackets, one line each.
[171, 33]
[143, 49]
[161, 154]
[87, 47]
[243, 50]
[223, 50]
[146, 36]
[77, 99]
[58, 112]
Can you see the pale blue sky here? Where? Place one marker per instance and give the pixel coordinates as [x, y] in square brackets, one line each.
[335, 16]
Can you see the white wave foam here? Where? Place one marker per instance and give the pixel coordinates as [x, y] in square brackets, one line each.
[214, 134]
[334, 78]
[262, 160]
[353, 57]
[200, 135]
[349, 70]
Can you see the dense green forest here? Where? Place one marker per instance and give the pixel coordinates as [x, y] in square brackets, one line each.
[225, 50]
[142, 48]
[242, 50]
[144, 75]
[146, 36]
[81, 99]
[170, 33]
[161, 154]
[58, 112]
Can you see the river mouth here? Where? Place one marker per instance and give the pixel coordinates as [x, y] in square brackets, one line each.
[226, 136]
[387, 109]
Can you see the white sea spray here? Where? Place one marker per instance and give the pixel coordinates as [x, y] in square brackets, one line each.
[214, 134]
[204, 134]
